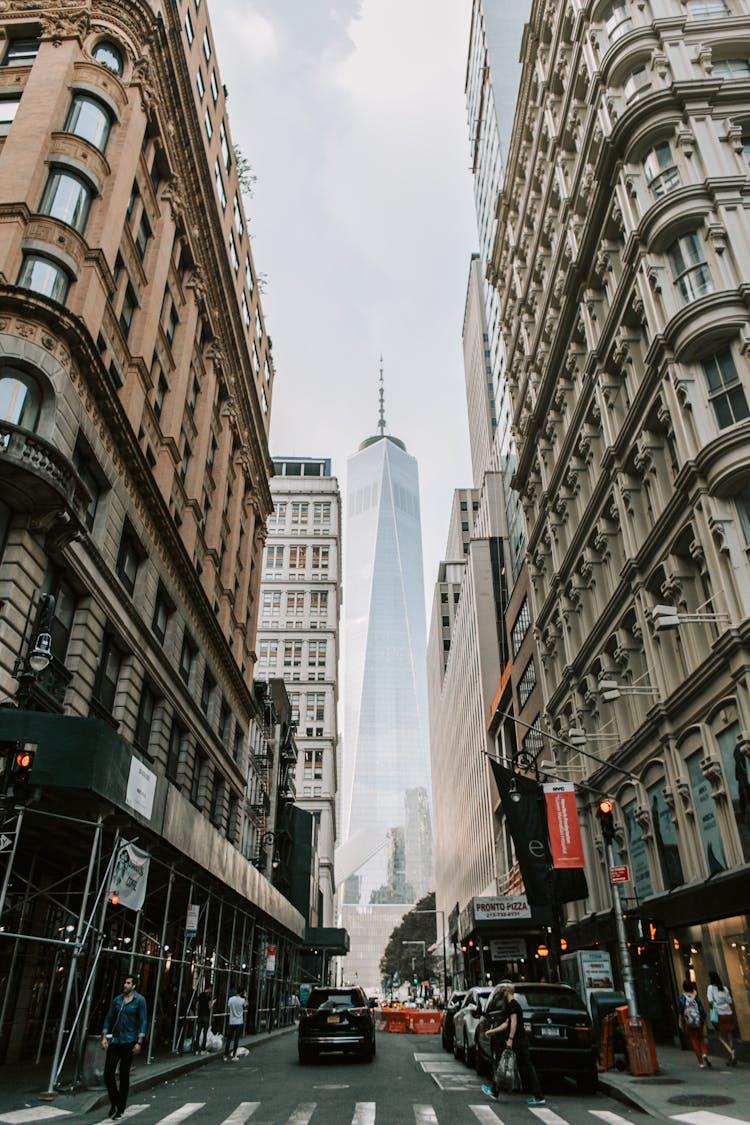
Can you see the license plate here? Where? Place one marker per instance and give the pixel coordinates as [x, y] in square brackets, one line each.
[550, 1032]
[333, 1019]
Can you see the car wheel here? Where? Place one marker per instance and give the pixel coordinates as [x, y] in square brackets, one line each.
[370, 1052]
[456, 1048]
[468, 1053]
[587, 1083]
[305, 1055]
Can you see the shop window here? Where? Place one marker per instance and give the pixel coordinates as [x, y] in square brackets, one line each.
[89, 119]
[706, 820]
[42, 275]
[738, 782]
[665, 834]
[20, 398]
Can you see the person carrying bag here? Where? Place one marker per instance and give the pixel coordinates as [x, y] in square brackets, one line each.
[692, 1019]
[721, 1015]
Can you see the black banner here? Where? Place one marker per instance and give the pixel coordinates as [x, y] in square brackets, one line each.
[527, 821]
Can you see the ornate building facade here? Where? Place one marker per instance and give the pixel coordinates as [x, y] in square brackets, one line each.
[136, 379]
[622, 262]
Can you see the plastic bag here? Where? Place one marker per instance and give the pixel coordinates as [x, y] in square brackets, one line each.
[507, 1077]
[713, 1015]
[214, 1042]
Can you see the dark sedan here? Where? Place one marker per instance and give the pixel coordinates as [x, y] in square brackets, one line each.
[558, 1027]
[454, 1003]
[336, 1019]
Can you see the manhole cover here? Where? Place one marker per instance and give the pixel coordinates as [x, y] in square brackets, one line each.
[660, 1080]
[701, 1099]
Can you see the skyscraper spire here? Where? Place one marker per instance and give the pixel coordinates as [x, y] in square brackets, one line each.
[381, 417]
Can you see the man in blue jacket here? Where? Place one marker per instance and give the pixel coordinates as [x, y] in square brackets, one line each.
[122, 1037]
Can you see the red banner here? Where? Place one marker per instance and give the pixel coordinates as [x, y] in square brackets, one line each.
[565, 840]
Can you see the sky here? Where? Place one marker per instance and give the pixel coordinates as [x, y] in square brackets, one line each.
[352, 115]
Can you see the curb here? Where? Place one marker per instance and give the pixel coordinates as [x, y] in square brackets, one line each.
[620, 1094]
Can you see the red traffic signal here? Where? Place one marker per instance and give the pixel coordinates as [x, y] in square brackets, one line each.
[606, 815]
[21, 766]
[606, 806]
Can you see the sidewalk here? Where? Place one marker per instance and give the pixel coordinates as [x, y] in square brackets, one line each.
[23, 1086]
[682, 1087]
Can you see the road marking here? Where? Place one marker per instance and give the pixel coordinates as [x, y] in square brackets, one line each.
[485, 1114]
[705, 1117]
[548, 1115]
[364, 1113]
[180, 1114]
[610, 1118]
[241, 1114]
[425, 1115]
[302, 1114]
[423, 1056]
[34, 1113]
[131, 1111]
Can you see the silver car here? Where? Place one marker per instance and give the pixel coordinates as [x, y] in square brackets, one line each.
[465, 1023]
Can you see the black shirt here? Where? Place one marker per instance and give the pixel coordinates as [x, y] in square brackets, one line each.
[204, 1006]
[519, 1035]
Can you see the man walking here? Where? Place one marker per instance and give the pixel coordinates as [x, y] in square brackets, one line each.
[203, 1020]
[235, 1022]
[514, 1033]
[122, 1037]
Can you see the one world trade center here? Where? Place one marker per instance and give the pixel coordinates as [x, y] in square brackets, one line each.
[385, 864]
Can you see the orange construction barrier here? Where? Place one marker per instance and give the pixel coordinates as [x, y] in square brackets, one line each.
[425, 1022]
[639, 1041]
[607, 1044]
[394, 1021]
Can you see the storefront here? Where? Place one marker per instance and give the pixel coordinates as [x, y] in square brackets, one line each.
[501, 937]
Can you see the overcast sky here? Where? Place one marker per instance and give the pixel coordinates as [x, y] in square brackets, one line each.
[352, 115]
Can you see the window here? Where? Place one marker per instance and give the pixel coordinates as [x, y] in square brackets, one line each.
[20, 398]
[108, 673]
[268, 653]
[187, 658]
[295, 608]
[128, 558]
[220, 186]
[172, 321]
[217, 802]
[527, 683]
[271, 607]
[21, 52]
[725, 391]
[144, 722]
[320, 558]
[705, 9]
[214, 87]
[732, 68]
[41, 275]
[315, 707]
[225, 716]
[159, 396]
[127, 312]
[200, 84]
[258, 325]
[264, 400]
[67, 198]
[689, 269]
[239, 738]
[300, 510]
[208, 124]
[249, 276]
[661, 171]
[142, 237]
[636, 82]
[207, 690]
[106, 53]
[89, 119]
[742, 500]
[226, 154]
[189, 33]
[321, 513]
[85, 465]
[318, 605]
[233, 253]
[174, 751]
[162, 612]
[206, 47]
[520, 627]
[297, 558]
[64, 612]
[317, 651]
[245, 310]
[237, 212]
[617, 20]
[8, 110]
[292, 654]
[274, 559]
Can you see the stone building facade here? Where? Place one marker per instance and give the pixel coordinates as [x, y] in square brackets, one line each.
[622, 261]
[136, 380]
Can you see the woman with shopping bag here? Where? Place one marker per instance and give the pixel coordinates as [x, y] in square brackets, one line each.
[721, 1015]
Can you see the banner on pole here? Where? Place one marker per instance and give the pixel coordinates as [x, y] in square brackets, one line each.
[565, 840]
[130, 876]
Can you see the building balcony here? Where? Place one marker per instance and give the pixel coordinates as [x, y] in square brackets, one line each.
[36, 477]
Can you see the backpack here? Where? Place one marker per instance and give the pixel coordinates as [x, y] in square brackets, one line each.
[691, 1013]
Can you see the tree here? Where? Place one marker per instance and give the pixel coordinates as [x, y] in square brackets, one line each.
[414, 927]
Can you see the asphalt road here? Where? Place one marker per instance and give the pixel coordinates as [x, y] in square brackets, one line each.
[412, 1080]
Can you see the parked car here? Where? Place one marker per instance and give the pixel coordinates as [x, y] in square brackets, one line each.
[559, 1028]
[336, 1019]
[465, 1023]
[455, 1001]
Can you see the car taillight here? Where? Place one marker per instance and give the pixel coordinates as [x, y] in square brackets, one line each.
[582, 1033]
[358, 1011]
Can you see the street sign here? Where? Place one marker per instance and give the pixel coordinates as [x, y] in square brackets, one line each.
[5, 842]
[619, 874]
[191, 922]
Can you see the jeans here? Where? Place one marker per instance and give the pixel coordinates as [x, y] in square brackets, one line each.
[232, 1039]
[119, 1055]
[201, 1029]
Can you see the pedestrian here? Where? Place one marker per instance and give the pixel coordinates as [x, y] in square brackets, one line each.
[692, 1020]
[514, 1033]
[295, 1006]
[203, 1020]
[122, 1037]
[721, 1015]
[236, 1007]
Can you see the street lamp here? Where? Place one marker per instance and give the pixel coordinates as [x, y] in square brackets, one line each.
[445, 958]
[266, 840]
[669, 617]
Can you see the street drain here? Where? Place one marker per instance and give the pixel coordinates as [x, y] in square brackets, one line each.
[701, 1099]
[660, 1080]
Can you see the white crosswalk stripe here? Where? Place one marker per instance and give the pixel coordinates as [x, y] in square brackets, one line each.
[610, 1118]
[33, 1113]
[364, 1113]
[302, 1114]
[485, 1114]
[706, 1117]
[425, 1115]
[548, 1115]
[131, 1111]
[241, 1114]
[180, 1114]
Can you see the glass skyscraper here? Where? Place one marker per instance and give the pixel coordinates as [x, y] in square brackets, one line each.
[386, 771]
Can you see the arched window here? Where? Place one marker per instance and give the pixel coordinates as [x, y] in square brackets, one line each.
[44, 276]
[20, 398]
[67, 197]
[90, 119]
[109, 55]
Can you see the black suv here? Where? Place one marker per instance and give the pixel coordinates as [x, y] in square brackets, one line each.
[336, 1019]
[558, 1027]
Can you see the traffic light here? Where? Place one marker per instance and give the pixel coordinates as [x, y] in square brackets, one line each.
[415, 979]
[606, 815]
[21, 765]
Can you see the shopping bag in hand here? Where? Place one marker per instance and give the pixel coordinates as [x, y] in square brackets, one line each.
[507, 1077]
